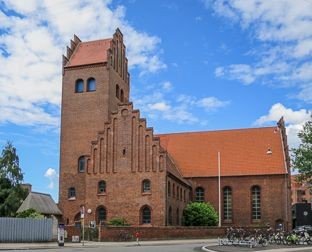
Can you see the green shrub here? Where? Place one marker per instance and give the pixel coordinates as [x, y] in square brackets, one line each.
[30, 213]
[118, 221]
[200, 214]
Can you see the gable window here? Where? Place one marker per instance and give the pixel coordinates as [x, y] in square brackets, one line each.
[71, 193]
[79, 86]
[256, 202]
[146, 185]
[101, 214]
[81, 164]
[227, 203]
[102, 186]
[199, 194]
[91, 85]
[146, 215]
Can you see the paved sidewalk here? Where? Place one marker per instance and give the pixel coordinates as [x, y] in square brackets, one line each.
[47, 245]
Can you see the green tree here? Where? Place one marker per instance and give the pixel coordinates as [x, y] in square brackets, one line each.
[200, 214]
[302, 156]
[11, 176]
[30, 213]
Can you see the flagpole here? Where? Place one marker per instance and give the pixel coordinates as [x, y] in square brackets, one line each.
[219, 185]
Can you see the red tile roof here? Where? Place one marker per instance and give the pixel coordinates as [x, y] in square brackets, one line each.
[90, 52]
[242, 152]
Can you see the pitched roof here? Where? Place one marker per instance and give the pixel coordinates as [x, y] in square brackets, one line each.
[242, 152]
[41, 202]
[90, 52]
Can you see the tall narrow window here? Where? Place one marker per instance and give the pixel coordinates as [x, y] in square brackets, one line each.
[178, 192]
[82, 164]
[256, 202]
[169, 188]
[173, 190]
[71, 193]
[170, 216]
[122, 95]
[91, 85]
[117, 91]
[146, 215]
[199, 194]
[227, 203]
[79, 86]
[178, 217]
[146, 185]
[100, 214]
[102, 186]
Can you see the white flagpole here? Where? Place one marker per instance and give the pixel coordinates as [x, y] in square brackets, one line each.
[219, 185]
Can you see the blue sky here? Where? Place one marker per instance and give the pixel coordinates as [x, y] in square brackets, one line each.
[194, 65]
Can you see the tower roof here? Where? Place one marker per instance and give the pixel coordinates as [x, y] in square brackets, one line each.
[91, 52]
[256, 151]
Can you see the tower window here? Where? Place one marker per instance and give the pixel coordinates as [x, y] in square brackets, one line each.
[145, 215]
[91, 85]
[146, 185]
[71, 193]
[82, 164]
[101, 214]
[79, 86]
[102, 186]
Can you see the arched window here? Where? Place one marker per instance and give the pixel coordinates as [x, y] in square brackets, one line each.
[256, 203]
[199, 194]
[100, 214]
[146, 185]
[146, 215]
[122, 95]
[77, 220]
[227, 203]
[178, 192]
[170, 216]
[169, 188]
[117, 91]
[91, 85]
[102, 186]
[81, 164]
[181, 193]
[79, 86]
[71, 193]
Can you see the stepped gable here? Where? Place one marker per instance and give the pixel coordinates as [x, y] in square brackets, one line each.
[126, 144]
[256, 151]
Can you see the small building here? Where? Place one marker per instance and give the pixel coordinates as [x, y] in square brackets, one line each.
[43, 204]
[301, 192]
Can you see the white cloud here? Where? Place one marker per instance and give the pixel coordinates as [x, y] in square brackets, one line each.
[294, 120]
[52, 175]
[34, 40]
[284, 30]
[211, 103]
[167, 85]
[161, 106]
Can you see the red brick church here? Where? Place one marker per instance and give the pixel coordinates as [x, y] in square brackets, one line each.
[113, 165]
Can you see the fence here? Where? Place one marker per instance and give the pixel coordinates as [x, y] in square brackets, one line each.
[25, 230]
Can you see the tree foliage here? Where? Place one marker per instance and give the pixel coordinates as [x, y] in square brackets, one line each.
[200, 214]
[30, 213]
[302, 156]
[118, 221]
[11, 176]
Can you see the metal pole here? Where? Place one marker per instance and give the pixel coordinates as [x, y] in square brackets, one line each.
[219, 186]
[83, 231]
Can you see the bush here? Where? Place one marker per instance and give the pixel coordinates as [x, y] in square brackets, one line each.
[30, 213]
[200, 214]
[117, 221]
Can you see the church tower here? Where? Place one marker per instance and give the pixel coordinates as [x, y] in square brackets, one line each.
[95, 80]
